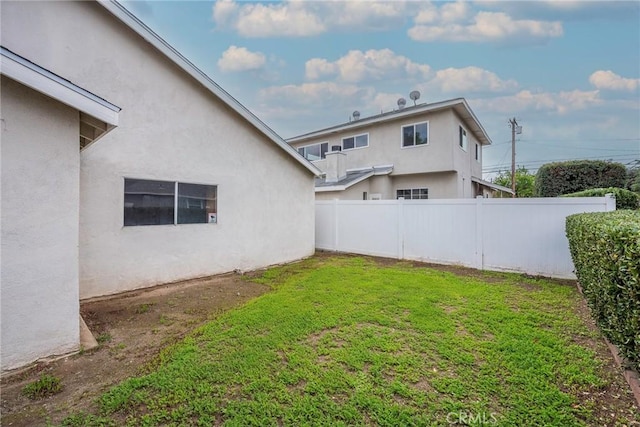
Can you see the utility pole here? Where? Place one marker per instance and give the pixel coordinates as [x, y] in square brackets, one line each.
[515, 129]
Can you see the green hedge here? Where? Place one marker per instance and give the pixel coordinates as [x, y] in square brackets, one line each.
[605, 247]
[555, 179]
[625, 199]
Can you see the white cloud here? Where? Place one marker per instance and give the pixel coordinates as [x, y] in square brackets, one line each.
[470, 79]
[224, 11]
[318, 94]
[291, 19]
[609, 80]
[558, 102]
[357, 66]
[450, 23]
[240, 59]
[297, 18]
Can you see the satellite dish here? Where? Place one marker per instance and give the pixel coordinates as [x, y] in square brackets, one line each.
[356, 115]
[401, 103]
[414, 95]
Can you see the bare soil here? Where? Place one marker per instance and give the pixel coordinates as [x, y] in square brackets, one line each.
[134, 327]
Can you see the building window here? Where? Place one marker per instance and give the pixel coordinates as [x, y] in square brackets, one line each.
[315, 151]
[478, 152]
[149, 202]
[364, 195]
[416, 134]
[463, 139]
[413, 194]
[357, 141]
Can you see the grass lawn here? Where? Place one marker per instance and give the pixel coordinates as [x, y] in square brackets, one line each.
[347, 341]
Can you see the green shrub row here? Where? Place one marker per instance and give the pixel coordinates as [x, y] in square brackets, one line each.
[625, 199]
[605, 247]
[555, 179]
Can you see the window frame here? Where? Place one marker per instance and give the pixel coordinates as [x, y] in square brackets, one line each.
[463, 139]
[311, 145]
[411, 193]
[414, 145]
[478, 149]
[354, 141]
[176, 198]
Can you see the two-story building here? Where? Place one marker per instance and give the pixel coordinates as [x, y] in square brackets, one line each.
[429, 150]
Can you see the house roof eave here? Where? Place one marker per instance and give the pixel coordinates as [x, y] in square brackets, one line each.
[459, 105]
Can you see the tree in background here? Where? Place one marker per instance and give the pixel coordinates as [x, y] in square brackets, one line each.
[556, 179]
[633, 179]
[525, 181]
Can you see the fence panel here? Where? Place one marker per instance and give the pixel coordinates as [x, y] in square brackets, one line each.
[522, 235]
[442, 231]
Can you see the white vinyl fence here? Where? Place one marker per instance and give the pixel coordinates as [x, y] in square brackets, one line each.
[521, 235]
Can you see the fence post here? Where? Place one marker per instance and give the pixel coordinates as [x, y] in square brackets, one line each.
[400, 240]
[479, 261]
[609, 202]
[336, 233]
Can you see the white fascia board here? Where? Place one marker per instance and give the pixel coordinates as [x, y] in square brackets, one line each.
[176, 57]
[37, 78]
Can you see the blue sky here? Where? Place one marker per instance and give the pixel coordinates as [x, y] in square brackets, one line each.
[568, 71]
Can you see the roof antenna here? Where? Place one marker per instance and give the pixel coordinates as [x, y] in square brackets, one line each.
[414, 95]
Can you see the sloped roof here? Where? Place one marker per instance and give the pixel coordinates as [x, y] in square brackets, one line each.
[352, 177]
[459, 105]
[491, 185]
[130, 20]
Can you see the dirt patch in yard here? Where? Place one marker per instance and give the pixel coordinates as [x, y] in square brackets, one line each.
[132, 328]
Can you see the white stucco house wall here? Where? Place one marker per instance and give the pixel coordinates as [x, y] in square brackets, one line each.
[428, 150]
[189, 183]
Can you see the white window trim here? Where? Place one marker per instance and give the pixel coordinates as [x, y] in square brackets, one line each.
[411, 190]
[354, 141]
[402, 146]
[466, 150]
[316, 143]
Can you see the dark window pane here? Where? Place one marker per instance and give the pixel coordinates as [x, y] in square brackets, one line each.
[348, 143]
[407, 136]
[148, 202]
[421, 134]
[197, 203]
[323, 149]
[362, 140]
[301, 150]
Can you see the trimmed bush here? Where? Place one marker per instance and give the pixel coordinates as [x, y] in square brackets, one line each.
[605, 247]
[555, 179]
[625, 199]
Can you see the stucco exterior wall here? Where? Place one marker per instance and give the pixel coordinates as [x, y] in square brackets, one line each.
[352, 193]
[39, 259]
[385, 145]
[441, 155]
[441, 185]
[170, 129]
